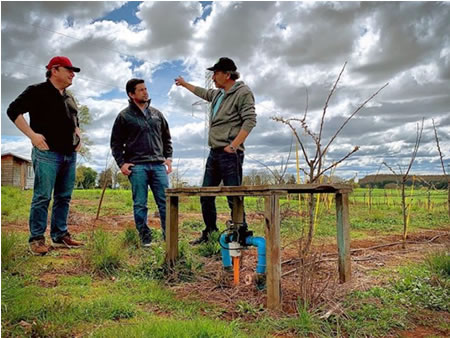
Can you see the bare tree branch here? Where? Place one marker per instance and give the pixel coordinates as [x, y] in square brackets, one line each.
[416, 149]
[306, 107]
[392, 170]
[438, 147]
[288, 123]
[350, 117]
[325, 111]
[336, 163]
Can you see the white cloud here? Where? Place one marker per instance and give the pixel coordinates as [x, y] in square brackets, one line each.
[281, 49]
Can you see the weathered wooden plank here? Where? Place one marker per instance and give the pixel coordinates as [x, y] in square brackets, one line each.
[273, 253]
[260, 190]
[343, 237]
[171, 229]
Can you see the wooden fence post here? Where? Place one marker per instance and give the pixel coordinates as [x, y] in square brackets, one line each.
[343, 237]
[273, 253]
[172, 229]
[238, 210]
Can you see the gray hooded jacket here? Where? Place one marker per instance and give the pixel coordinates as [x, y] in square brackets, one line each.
[236, 112]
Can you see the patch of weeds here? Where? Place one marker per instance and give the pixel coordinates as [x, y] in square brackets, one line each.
[419, 289]
[305, 324]
[370, 316]
[130, 238]
[244, 307]
[104, 253]
[75, 280]
[154, 266]
[438, 262]
[9, 250]
[211, 247]
[185, 267]
[379, 310]
[161, 328]
[111, 307]
[193, 224]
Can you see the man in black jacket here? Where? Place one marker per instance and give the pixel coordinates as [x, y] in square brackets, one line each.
[142, 147]
[55, 135]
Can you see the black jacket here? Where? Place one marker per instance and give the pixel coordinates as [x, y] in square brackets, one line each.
[51, 114]
[138, 139]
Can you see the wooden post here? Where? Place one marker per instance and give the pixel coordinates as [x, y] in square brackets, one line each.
[273, 253]
[172, 229]
[238, 210]
[343, 237]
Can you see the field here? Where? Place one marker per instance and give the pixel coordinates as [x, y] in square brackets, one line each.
[114, 288]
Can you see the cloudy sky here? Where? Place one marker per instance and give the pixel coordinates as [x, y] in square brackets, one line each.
[283, 50]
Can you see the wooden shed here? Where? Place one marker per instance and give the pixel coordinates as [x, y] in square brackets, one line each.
[17, 171]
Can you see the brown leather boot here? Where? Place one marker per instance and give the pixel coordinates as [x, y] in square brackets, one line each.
[38, 247]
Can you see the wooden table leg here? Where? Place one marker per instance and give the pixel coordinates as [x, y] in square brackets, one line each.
[273, 253]
[238, 210]
[171, 229]
[343, 237]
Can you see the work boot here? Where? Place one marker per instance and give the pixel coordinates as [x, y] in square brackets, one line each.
[203, 238]
[67, 242]
[38, 247]
[146, 240]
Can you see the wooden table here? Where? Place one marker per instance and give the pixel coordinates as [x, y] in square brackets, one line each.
[271, 194]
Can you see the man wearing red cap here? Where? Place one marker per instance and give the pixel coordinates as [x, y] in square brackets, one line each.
[231, 119]
[55, 135]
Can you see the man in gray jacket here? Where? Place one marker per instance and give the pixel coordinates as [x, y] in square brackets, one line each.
[232, 119]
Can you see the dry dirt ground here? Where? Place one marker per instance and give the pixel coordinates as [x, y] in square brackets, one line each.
[214, 286]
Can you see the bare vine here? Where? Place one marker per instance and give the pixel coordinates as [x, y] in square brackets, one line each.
[315, 164]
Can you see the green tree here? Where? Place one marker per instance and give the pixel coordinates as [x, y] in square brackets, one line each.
[84, 117]
[123, 181]
[106, 175]
[85, 177]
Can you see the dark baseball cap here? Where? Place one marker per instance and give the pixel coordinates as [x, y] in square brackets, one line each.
[62, 61]
[224, 64]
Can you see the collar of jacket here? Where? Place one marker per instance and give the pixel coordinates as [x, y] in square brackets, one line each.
[133, 106]
[55, 90]
[236, 86]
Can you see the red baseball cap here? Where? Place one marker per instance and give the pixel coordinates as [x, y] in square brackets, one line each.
[61, 61]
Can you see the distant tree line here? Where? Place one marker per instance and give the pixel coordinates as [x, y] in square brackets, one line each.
[392, 181]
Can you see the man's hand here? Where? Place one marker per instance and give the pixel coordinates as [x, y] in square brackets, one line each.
[125, 168]
[38, 140]
[78, 132]
[168, 163]
[228, 149]
[179, 81]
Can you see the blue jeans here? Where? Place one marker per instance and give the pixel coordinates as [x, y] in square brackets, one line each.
[220, 167]
[53, 172]
[143, 175]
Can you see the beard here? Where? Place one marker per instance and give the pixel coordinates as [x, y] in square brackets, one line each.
[143, 100]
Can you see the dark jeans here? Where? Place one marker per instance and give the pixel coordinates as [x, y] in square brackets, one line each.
[143, 175]
[220, 167]
[53, 172]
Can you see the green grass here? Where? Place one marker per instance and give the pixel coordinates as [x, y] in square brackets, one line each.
[381, 309]
[136, 303]
[114, 287]
[170, 328]
[15, 204]
[104, 252]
